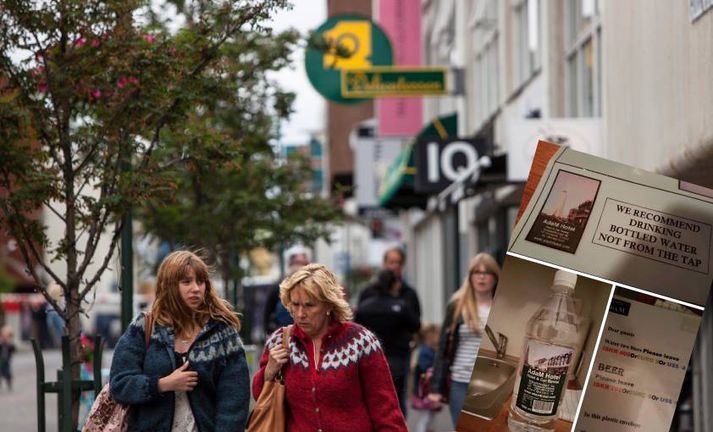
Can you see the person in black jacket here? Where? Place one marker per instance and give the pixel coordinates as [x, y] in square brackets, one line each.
[394, 260]
[462, 332]
[394, 322]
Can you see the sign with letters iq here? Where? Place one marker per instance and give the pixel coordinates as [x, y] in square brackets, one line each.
[439, 162]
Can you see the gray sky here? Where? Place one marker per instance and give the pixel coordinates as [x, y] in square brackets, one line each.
[309, 106]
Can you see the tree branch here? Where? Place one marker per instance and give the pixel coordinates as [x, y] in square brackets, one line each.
[98, 223]
[53, 210]
[105, 262]
[210, 55]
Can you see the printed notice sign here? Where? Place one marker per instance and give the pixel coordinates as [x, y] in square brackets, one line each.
[663, 237]
[632, 227]
[640, 364]
[600, 297]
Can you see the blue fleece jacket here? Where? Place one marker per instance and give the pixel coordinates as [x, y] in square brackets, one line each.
[220, 400]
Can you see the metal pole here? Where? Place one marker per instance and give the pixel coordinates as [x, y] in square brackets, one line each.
[66, 390]
[40, 365]
[97, 366]
[60, 402]
[127, 267]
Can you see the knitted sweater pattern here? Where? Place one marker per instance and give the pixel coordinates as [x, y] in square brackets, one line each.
[219, 401]
[350, 390]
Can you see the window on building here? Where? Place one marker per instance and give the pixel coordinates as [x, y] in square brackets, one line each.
[583, 58]
[487, 70]
[526, 40]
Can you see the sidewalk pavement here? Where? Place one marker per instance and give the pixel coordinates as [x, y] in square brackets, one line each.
[18, 407]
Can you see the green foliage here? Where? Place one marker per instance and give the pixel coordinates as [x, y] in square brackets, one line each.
[90, 88]
[319, 42]
[231, 191]
[86, 91]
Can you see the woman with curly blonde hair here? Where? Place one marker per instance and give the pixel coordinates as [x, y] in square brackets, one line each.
[192, 375]
[335, 373]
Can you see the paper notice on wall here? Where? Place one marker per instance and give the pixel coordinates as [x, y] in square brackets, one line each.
[640, 245]
[621, 224]
[642, 359]
[652, 234]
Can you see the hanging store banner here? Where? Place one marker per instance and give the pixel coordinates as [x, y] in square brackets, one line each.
[441, 161]
[393, 81]
[354, 42]
[599, 302]
[401, 20]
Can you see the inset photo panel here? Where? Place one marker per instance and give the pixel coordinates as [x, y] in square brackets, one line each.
[564, 216]
[640, 364]
[538, 346]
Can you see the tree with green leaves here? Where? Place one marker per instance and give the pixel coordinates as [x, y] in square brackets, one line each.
[176, 90]
[227, 211]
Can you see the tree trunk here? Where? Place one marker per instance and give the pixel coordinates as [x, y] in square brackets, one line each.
[73, 328]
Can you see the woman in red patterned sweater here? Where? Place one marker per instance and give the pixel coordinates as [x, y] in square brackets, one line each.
[336, 375]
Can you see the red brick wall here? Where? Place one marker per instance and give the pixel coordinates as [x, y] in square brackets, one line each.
[341, 119]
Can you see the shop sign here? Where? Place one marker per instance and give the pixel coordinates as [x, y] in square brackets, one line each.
[440, 162]
[393, 81]
[364, 40]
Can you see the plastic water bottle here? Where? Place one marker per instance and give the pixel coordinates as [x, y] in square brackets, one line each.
[547, 356]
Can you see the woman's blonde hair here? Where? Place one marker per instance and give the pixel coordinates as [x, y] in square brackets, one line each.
[320, 284]
[169, 308]
[465, 303]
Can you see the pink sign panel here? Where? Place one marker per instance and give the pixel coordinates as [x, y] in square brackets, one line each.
[401, 20]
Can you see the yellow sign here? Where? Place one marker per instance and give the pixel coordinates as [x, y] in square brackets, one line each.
[393, 81]
[355, 36]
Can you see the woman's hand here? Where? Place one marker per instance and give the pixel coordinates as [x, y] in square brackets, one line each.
[435, 398]
[278, 357]
[179, 380]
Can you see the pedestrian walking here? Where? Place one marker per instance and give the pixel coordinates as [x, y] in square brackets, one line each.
[7, 349]
[193, 375]
[335, 373]
[394, 260]
[462, 332]
[394, 322]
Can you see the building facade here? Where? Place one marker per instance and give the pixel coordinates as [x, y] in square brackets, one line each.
[628, 81]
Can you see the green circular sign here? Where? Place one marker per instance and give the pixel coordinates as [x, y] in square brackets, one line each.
[362, 41]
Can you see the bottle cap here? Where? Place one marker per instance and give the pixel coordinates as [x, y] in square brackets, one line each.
[565, 278]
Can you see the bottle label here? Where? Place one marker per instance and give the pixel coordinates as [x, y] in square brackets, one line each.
[544, 377]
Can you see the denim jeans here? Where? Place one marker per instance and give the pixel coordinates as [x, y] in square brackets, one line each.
[456, 398]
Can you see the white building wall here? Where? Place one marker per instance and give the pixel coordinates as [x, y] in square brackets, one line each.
[657, 86]
[429, 282]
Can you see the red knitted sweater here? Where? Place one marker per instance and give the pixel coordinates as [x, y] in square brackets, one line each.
[350, 390]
